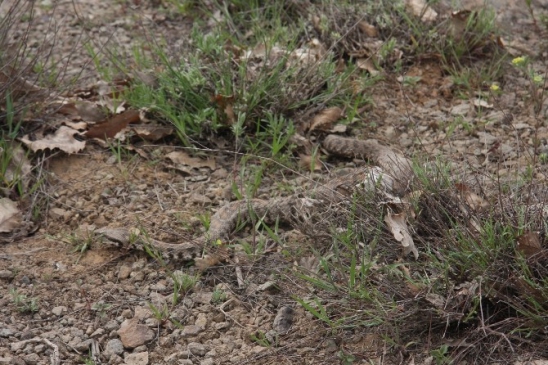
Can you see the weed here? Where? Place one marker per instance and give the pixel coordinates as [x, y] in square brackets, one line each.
[88, 360]
[260, 339]
[536, 82]
[23, 303]
[161, 314]
[440, 355]
[81, 243]
[317, 309]
[346, 358]
[101, 308]
[218, 296]
[182, 284]
[205, 220]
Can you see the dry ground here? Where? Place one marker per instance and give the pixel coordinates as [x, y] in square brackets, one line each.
[83, 299]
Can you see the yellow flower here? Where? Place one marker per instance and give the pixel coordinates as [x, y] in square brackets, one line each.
[494, 87]
[519, 61]
[537, 79]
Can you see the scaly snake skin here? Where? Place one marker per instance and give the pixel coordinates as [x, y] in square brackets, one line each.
[289, 209]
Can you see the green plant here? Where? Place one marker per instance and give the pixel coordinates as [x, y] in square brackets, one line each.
[316, 308]
[205, 220]
[346, 358]
[161, 314]
[218, 296]
[260, 339]
[89, 360]
[543, 158]
[101, 308]
[182, 284]
[23, 303]
[536, 81]
[81, 242]
[440, 355]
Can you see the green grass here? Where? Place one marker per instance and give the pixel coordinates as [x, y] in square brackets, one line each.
[23, 303]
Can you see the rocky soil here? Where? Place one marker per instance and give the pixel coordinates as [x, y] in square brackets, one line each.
[114, 306]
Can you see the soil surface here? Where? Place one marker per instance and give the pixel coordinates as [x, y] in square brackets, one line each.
[100, 304]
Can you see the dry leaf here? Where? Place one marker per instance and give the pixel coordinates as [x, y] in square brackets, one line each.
[309, 264]
[82, 109]
[10, 216]
[480, 103]
[368, 29]
[398, 226]
[436, 300]
[111, 127]
[309, 163]
[529, 244]
[308, 55]
[225, 106]
[368, 65]
[420, 9]
[458, 23]
[152, 132]
[63, 139]
[182, 158]
[90, 112]
[324, 119]
[79, 126]
[473, 200]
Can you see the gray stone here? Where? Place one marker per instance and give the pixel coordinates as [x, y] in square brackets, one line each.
[127, 314]
[142, 348]
[203, 298]
[132, 334]
[115, 359]
[98, 332]
[31, 359]
[27, 335]
[191, 331]
[208, 361]
[152, 322]
[6, 274]
[114, 346]
[17, 346]
[124, 272]
[17, 361]
[283, 320]
[201, 321]
[197, 349]
[6, 332]
[158, 300]
[111, 325]
[83, 346]
[137, 275]
[158, 287]
[258, 349]
[140, 358]
[222, 325]
[59, 310]
[142, 313]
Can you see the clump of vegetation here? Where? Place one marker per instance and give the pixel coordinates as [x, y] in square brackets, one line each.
[23, 303]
